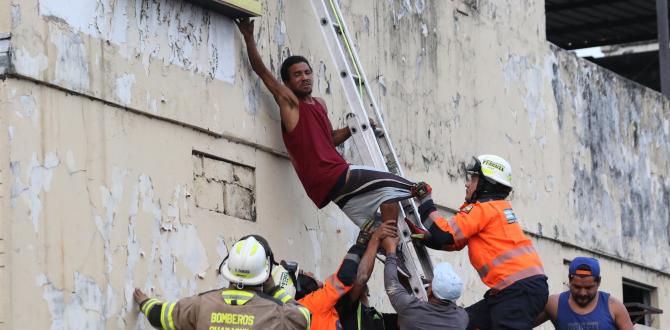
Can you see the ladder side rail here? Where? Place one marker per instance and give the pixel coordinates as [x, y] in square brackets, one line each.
[357, 62]
[366, 142]
[347, 82]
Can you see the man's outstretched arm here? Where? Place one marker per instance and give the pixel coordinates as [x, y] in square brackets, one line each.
[367, 264]
[285, 98]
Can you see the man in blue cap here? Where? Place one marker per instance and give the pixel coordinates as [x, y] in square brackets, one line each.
[583, 306]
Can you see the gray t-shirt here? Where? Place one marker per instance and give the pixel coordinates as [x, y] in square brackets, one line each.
[416, 314]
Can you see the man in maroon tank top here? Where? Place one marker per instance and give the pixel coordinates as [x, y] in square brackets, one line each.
[310, 140]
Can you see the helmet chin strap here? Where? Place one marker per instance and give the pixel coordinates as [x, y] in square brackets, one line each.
[486, 190]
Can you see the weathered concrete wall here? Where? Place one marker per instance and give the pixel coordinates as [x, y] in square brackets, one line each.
[139, 146]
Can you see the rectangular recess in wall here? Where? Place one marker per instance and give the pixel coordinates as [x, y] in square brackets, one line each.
[224, 186]
[637, 297]
[5, 38]
[233, 8]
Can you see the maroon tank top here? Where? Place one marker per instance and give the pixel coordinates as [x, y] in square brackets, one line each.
[314, 157]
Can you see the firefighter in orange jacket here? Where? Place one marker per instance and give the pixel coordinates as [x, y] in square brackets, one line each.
[498, 249]
[321, 298]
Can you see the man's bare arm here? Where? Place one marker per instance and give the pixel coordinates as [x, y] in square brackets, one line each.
[549, 312]
[285, 98]
[367, 264]
[621, 318]
[341, 135]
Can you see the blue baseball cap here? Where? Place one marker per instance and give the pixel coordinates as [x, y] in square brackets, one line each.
[590, 263]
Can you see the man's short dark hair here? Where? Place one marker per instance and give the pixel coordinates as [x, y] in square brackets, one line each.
[287, 64]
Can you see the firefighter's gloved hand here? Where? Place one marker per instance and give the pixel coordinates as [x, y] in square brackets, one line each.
[364, 235]
[422, 191]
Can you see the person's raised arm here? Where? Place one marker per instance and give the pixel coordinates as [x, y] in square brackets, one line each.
[367, 264]
[400, 299]
[285, 98]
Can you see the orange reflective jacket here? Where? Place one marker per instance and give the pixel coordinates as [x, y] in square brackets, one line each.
[498, 249]
[321, 303]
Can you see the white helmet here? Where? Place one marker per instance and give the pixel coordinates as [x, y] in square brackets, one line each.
[247, 263]
[492, 167]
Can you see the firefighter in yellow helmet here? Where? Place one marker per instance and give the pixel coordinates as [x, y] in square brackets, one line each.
[243, 305]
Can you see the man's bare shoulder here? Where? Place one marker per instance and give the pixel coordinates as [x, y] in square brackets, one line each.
[614, 302]
[321, 101]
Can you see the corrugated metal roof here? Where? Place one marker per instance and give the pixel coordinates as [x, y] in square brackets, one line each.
[573, 24]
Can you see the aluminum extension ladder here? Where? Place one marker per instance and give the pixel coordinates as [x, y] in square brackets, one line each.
[374, 148]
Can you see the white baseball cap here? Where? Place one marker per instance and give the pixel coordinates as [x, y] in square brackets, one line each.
[447, 285]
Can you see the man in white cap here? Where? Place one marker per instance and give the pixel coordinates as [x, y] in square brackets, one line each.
[440, 311]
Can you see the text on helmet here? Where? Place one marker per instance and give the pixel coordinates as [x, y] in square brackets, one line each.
[494, 165]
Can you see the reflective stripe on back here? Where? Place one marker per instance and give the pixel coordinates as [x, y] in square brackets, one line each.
[236, 297]
[505, 256]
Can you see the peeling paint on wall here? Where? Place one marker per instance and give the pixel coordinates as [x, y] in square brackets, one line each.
[16, 15]
[29, 65]
[522, 73]
[90, 17]
[28, 109]
[221, 48]
[611, 166]
[71, 64]
[181, 33]
[124, 88]
[86, 307]
[39, 180]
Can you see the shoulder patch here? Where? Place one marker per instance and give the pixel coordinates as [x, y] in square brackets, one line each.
[510, 216]
[468, 208]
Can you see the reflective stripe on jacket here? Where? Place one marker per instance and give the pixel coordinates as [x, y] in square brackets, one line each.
[498, 249]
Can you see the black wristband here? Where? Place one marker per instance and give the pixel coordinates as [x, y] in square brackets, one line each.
[143, 302]
[426, 208]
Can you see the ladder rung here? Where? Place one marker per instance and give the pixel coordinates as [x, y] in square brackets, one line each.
[337, 28]
[356, 78]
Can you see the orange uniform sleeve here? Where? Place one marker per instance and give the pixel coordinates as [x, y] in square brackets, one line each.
[462, 226]
[324, 299]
